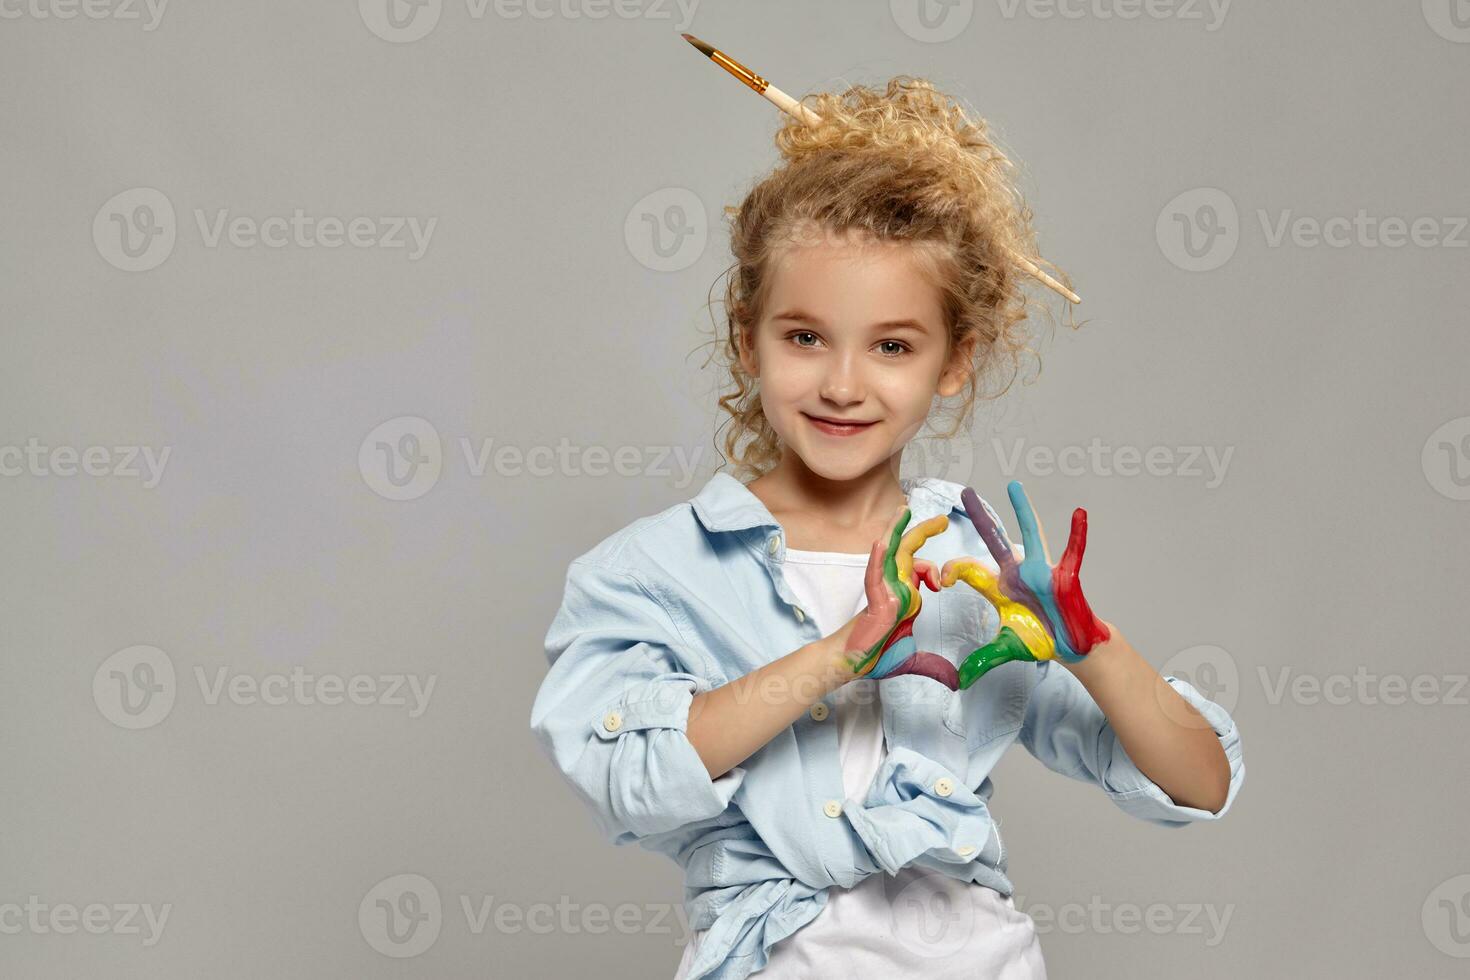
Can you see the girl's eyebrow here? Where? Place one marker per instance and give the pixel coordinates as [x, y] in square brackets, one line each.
[906, 323]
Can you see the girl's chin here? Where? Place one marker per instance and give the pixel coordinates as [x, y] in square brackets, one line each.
[837, 465]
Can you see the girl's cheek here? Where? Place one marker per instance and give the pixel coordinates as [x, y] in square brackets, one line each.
[911, 391]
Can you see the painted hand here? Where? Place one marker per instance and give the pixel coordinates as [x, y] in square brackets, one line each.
[1044, 614]
[881, 643]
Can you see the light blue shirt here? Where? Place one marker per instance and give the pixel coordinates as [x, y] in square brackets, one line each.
[688, 599]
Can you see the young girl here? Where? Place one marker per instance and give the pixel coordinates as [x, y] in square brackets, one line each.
[713, 693]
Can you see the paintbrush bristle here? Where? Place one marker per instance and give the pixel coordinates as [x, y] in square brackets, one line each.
[709, 52]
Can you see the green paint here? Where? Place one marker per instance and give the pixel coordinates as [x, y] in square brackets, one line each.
[898, 588]
[1006, 646]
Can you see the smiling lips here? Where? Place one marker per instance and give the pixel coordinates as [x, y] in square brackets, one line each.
[838, 427]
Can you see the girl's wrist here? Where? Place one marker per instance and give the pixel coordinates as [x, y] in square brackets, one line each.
[832, 662]
[1105, 657]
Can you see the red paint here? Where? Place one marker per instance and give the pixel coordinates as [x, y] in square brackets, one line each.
[1084, 630]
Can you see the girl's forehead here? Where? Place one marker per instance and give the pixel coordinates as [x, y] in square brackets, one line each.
[841, 274]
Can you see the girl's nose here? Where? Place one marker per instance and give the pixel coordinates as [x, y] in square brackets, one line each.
[842, 384]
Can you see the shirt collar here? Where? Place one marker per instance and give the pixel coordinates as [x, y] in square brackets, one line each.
[726, 504]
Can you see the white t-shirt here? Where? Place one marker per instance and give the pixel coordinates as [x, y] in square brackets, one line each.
[918, 923]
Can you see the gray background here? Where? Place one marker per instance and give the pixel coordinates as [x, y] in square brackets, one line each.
[1333, 375]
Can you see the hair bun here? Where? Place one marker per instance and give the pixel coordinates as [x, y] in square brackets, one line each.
[910, 116]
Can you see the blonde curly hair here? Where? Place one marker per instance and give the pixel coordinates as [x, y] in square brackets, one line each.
[901, 165]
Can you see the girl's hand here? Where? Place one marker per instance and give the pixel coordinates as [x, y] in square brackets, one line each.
[881, 642]
[1044, 614]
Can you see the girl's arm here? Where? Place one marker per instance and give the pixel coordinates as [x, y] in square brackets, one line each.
[1116, 699]
[646, 741]
[728, 724]
[1167, 739]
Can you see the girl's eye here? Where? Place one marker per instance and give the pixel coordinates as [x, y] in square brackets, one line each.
[889, 348]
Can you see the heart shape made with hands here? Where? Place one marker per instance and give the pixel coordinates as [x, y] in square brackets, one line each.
[1043, 612]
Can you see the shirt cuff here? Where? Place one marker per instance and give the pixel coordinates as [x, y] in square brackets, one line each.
[656, 780]
[1139, 796]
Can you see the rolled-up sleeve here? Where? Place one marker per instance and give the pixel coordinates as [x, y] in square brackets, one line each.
[1066, 730]
[612, 710]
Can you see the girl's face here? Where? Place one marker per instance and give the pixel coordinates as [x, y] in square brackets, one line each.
[851, 349]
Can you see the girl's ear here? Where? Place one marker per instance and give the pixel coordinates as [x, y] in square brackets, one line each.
[748, 359]
[958, 368]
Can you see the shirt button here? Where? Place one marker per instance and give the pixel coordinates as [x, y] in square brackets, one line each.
[612, 721]
[944, 786]
[967, 849]
[800, 616]
[774, 545]
[833, 808]
[819, 711]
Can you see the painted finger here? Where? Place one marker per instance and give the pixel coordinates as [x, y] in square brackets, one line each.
[930, 665]
[1076, 545]
[992, 531]
[927, 572]
[911, 543]
[921, 532]
[1031, 538]
[1005, 648]
[909, 597]
[896, 571]
[1084, 629]
[989, 526]
[974, 573]
[873, 578]
[1037, 575]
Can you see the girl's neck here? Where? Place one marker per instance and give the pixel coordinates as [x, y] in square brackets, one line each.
[821, 514]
